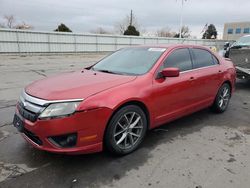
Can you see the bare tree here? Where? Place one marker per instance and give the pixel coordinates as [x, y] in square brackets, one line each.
[121, 26]
[10, 20]
[100, 30]
[185, 32]
[23, 26]
[165, 32]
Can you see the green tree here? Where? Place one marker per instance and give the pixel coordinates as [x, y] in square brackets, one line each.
[131, 30]
[210, 33]
[62, 28]
[121, 26]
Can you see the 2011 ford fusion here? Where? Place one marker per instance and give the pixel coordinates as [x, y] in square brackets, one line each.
[113, 103]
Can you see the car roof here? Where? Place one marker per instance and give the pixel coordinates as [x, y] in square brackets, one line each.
[169, 46]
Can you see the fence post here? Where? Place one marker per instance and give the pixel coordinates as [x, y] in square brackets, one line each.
[48, 38]
[74, 35]
[96, 42]
[18, 43]
[116, 48]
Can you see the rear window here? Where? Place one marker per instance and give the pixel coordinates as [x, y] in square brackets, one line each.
[202, 58]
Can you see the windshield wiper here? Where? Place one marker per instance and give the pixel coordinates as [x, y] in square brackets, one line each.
[109, 71]
[106, 71]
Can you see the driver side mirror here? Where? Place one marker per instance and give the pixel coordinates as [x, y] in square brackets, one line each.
[170, 72]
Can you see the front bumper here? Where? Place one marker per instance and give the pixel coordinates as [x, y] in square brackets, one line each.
[88, 125]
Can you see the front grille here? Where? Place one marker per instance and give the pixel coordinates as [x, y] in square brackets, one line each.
[31, 116]
[32, 137]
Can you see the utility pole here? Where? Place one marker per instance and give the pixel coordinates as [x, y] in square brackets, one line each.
[131, 18]
[181, 19]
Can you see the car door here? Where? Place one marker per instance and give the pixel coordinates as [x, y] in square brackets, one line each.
[206, 72]
[172, 95]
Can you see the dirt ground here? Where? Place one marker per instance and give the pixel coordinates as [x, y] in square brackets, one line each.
[203, 150]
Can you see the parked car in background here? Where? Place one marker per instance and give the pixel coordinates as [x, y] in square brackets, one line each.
[113, 103]
[239, 53]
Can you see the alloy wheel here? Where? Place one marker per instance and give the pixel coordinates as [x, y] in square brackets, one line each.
[224, 98]
[128, 130]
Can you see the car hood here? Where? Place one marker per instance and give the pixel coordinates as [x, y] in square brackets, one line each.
[75, 85]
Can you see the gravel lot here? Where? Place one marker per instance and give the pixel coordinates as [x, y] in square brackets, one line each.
[198, 151]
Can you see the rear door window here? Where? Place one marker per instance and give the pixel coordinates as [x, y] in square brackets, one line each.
[202, 58]
[179, 58]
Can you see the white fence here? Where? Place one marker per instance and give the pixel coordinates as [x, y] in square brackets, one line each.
[21, 41]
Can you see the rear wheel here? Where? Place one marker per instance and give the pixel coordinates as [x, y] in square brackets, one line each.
[222, 98]
[126, 130]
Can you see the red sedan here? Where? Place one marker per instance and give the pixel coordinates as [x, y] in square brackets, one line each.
[113, 103]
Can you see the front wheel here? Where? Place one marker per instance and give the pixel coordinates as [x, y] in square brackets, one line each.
[222, 98]
[126, 130]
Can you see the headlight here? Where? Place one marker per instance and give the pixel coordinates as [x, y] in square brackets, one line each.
[59, 109]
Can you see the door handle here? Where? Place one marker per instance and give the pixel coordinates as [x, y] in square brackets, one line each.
[191, 78]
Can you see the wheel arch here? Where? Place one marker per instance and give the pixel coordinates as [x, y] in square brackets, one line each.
[229, 83]
[136, 103]
[131, 102]
[224, 82]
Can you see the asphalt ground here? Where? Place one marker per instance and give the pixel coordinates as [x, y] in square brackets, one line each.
[198, 151]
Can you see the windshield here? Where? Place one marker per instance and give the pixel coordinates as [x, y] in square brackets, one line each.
[243, 41]
[131, 61]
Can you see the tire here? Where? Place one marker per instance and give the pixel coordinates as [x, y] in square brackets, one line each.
[222, 99]
[126, 130]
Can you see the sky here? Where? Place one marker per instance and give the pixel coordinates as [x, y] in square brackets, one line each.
[152, 15]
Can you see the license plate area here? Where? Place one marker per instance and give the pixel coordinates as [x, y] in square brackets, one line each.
[18, 123]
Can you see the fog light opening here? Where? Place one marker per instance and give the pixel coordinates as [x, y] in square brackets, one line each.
[64, 141]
